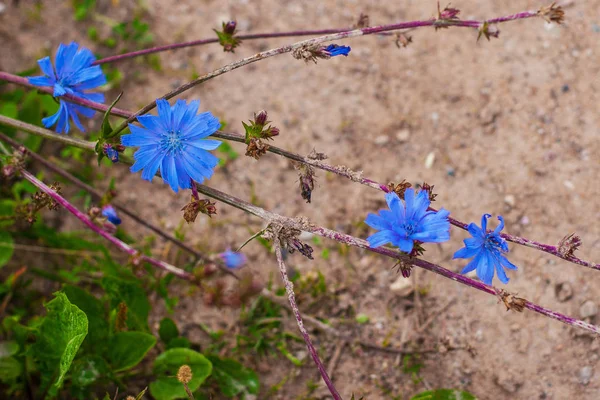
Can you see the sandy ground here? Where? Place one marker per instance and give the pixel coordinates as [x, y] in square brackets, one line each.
[513, 127]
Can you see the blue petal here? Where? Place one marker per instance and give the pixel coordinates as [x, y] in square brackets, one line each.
[190, 112]
[380, 238]
[475, 231]
[164, 113]
[500, 226]
[40, 81]
[485, 267]
[169, 173]
[406, 245]
[206, 144]
[64, 59]
[201, 126]
[484, 219]
[395, 205]
[150, 170]
[420, 205]
[182, 176]
[143, 157]
[51, 120]
[176, 116]
[59, 90]
[91, 83]
[140, 137]
[504, 261]
[409, 201]
[377, 222]
[500, 272]
[195, 168]
[466, 252]
[151, 122]
[75, 117]
[471, 265]
[46, 67]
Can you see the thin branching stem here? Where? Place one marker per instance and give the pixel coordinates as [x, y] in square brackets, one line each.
[289, 288]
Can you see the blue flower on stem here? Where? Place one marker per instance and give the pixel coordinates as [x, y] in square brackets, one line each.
[111, 214]
[336, 50]
[72, 74]
[404, 223]
[232, 259]
[174, 141]
[487, 248]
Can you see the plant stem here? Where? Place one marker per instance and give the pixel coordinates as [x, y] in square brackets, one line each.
[316, 41]
[338, 170]
[304, 225]
[90, 224]
[289, 287]
[96, 193]
[45, 133]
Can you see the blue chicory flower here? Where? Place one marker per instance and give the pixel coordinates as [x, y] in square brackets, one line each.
[404, 223]
[488, 249]
[232, 259]
[335, 50]
[174, 141]
[111, 214]
[73, 73]
[111, 153]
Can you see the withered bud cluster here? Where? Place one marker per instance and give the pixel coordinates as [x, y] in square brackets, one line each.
[429, 189]
[310, 52]
[363, 21]
[399, 188]
[403, 40]
[568, 245]
[306, 176]
[289, 240]
[552, 13]
[447, 14]
[257, 130]
[196, 206]
[511, 301]
[488, 30]
[39, 201]
[184, 374]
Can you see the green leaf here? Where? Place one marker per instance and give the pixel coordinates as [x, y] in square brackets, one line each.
[167, 330]
[88, 370]
[7, 247]
[8, 348]
[232, 377]
[179, 342]
[132, 294]
[60, 335]
[96, 315]
[127, 349]
[444, 394]
[107, 130]
[10, 368]
[166, 365]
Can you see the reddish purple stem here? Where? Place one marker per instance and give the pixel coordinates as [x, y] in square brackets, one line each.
[90, 224]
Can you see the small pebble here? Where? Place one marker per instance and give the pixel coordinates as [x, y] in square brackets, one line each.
[510, 200]
[402, 287]
[450, 171]
[565, 88]
[585, 375]
[403, 135]
[381, 140]
[2, 7]
[588, 309]
[564, 291]
[429, 160]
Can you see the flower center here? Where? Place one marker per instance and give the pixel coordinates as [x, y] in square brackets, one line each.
[409, 228]
[171, 142]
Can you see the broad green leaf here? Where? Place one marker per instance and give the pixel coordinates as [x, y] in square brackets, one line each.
[95, 312]
[88, 370]
[127, 349]
[167, 330]
[132, 294]
[232, 377]
[444, 394]
[8, 348]
[179, 342]
[7, 247]
[7, 207]
[10, 368]
[166, 365]
[60, 335]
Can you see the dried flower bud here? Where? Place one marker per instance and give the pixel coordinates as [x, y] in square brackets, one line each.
[403, 40]
[363, 21]
[314, 51]
[488, 30]
[8, 171]
[568, 245]
[111, 153]
[447, 13]
[270, 132]
[429, 189]
[94, 212]
[404, 268]
[184, 374]
[261, 118]
[256, 148]
[226, 36]
[511, 301]
[204, 206]
[119, 147]
[417, 250]
[400, 188]
[303, 248]
[552, 13]
[307, 180]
